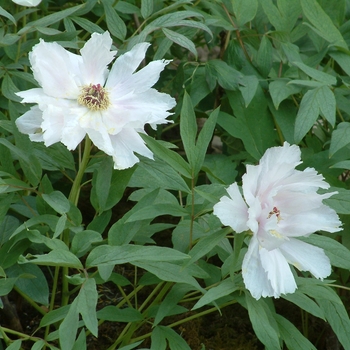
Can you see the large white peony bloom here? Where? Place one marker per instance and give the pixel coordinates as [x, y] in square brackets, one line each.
[280, 204]
[28, 3]
[79, 96]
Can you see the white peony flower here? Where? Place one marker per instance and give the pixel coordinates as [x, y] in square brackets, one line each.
[79, 96]
[28, 3]
[280, 204]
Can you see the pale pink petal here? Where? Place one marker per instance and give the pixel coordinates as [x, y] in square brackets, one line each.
[232, 211]
[278, 271]
[306, 257]
[125, 65]
[254, 275]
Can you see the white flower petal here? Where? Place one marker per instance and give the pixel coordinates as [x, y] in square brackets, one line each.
[145, 78]
[120, 109]
[30, 123]
[232, 211]
[28, 3]
[278, 271]
[96, 56]
[55, 69]
[254, 275]
[307, 222]
[126, 64]
[150, 107]
[306, 257]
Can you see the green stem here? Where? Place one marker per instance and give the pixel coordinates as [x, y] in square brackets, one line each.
[74, 198]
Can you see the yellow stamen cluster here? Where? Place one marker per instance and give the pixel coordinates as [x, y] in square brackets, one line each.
[94, 97]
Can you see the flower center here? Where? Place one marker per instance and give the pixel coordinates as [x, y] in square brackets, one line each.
[275, 211]
[94, 97]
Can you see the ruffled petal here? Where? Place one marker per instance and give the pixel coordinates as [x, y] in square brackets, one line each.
[232, 211]
[306, 257]
[254, 276]
[278, 272]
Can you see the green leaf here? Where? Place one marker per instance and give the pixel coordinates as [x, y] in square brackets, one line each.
[81, 341]
[57, 201]
[86, 305]
[35, 287]
[340, 138]
[244, 10]
[16, 345]
[307, 114]
[170, 301]
[38, 345]
[188, 128]
[57, 257]
[203, 140]
[6, 285]
[292, 336]
[50, 19]
[114, 314]
[87, 25]
[176, 342]
[264, 57]
[181, 40]
[340, 201]
[304, 302]
[101, 182]
[157, 173]
[227, 76]
[69, 327]
[115, 24]
[8, 89]
[318, 75]
[146, 8]
[129, 253]
[248, 86]
[29, 163]
[8, 15]
[321, 23]
[54, 316]
[280, 90]
[83, 240]
[157, 210]
[246, 126]
[61, 224]
[131, 346]
[169, 272]
[206, 244]
[226, 287]
[327, 103]
[263, 322]
[337, 317]
[169, 156]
